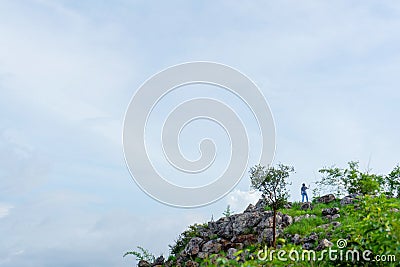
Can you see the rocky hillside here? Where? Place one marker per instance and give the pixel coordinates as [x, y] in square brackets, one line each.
[236, 240]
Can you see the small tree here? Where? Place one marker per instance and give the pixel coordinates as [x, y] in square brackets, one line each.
[142, 255]
[228, 212]
[272, 182]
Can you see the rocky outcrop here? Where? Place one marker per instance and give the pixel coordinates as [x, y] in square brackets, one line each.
[326, 199]
[231, 234]
[193, 247]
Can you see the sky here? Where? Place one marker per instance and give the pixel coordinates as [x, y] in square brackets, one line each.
[68, 69]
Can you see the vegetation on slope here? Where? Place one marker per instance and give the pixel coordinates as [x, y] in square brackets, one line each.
[369, 224]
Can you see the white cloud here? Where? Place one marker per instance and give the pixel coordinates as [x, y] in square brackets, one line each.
[239, 200]
[5, 209]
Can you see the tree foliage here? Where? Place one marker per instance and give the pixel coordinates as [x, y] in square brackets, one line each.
[228, 212]
[272, 182]
[392, 183]
[350, 180]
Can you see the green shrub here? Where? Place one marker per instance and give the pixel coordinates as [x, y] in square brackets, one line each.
[142, 254]
[350, 180]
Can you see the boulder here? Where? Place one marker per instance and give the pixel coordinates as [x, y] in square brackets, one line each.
[306, 206]
[143, 263]
[288, 205]
[310, 239]
[330, 211]
[267, 220]
[250, 208]
[326, 199]
[286, 220]
[243, 223]
[226, 244]
[267, 235]
[159, 261]
[245, 239]
[354, 195]
[307, 246]
[193, 246]
[203, 232]
[212, 247]
[301, 217]
[231, 253]
[334, 217]
[324, 244]
[202, 255]
[260, 205]
[191, 263]
[296, 239]
[327, 225]
[346, 201]
[237, 224]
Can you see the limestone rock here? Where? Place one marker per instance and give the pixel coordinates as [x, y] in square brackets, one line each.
[307, 246]
[159, 261]
[326, 199]
[310, 239]
[231, 253]
[211, 247]
[143, 263]
[288, 205]
[323, 244]
[346, 201]
[330, 211]
[334, 217]
[267, 235]
[250, 208]
[191, 263]
[245, 239]
[296, 239]
[306, 206]
[202, 255]
[193, 246]
[301, 217]
[287, 220]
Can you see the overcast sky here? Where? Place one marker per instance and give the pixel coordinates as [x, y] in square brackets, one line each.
[68, 69]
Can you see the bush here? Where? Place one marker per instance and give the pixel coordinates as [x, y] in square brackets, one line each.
[374, 226]
[392, 183]
[350, 180]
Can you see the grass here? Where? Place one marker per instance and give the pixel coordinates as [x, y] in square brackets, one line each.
[306, 226]
[317, 208]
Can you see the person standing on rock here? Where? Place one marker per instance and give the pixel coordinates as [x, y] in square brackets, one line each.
[304, 193]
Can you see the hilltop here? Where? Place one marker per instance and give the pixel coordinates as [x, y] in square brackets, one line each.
[361, 227]
[353, 223]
